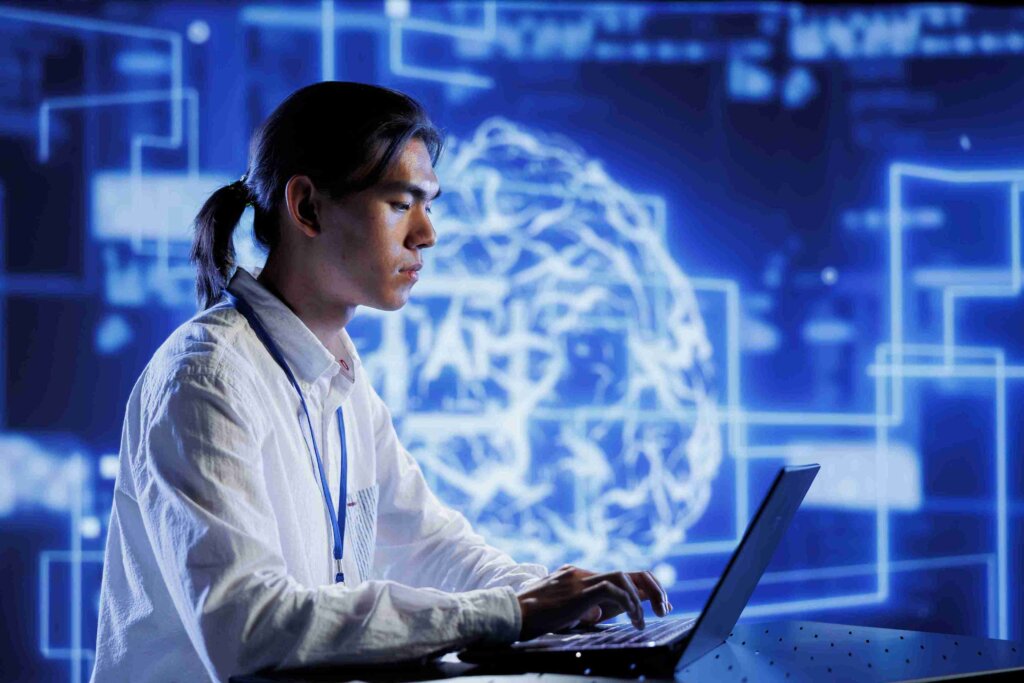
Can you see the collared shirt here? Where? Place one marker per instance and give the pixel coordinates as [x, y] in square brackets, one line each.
[219, 553]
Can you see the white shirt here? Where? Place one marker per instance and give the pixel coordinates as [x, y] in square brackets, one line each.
[219, 554]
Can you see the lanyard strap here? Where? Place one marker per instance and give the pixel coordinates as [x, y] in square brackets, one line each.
[337, 518]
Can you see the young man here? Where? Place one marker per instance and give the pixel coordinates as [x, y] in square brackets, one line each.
[265, 513]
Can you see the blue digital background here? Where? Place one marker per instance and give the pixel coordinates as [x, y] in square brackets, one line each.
[770, 232]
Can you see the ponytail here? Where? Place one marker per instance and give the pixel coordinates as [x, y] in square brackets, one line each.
[213, 252]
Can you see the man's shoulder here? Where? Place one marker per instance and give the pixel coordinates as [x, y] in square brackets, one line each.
[215, 344]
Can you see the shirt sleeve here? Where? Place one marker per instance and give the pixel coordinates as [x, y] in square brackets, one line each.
[421, 541]
[206, 511]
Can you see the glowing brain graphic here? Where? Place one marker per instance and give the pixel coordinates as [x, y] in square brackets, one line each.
[551, 370]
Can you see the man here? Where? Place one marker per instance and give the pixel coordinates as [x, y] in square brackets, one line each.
[265, 513]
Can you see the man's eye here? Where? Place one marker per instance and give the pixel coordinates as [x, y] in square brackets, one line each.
[400, 206]
[429, 210]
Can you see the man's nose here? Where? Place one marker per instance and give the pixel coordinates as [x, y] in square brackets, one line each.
[424, 235]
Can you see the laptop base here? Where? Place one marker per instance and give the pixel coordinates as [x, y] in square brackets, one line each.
[660, 660]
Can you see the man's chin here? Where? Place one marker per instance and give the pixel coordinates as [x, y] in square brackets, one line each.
[390, 303]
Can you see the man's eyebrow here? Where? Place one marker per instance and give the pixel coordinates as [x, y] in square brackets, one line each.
[412, 188]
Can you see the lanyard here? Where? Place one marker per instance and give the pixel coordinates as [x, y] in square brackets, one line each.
[337, 518]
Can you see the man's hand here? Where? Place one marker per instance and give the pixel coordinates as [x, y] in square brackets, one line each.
[572, 596]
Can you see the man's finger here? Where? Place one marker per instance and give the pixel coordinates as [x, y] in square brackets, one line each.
[592, 616]
[636, 611]
[607, 591]
[652, 590]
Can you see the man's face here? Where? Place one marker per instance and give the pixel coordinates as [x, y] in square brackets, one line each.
[372, 239]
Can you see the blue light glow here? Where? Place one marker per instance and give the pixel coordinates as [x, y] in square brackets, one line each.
[679, 246]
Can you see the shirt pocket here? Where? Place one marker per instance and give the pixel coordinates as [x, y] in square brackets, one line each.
[361, 522]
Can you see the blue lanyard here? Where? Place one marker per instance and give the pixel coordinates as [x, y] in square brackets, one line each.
[337, 518]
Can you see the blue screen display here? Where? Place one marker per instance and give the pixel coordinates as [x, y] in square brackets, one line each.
[679, 246]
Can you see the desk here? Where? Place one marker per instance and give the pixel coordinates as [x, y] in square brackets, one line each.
[785, 651]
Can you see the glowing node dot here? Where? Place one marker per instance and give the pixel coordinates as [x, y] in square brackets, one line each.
[665, 574]
[198, 32]
[89, 527]
[397, 9]
[965, 143]
[109, 466]
[829, 275]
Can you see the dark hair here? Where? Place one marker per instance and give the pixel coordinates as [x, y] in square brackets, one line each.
[344, 136]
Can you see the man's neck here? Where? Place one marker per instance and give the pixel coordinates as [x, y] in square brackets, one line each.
[299, 293]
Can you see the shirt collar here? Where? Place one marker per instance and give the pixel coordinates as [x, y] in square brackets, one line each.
[308, 358]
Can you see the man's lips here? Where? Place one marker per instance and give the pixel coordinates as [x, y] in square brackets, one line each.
[412, 273]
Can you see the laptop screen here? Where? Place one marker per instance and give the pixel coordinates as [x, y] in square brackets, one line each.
[749, 560]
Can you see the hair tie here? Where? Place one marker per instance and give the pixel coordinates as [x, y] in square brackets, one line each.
[242, 189]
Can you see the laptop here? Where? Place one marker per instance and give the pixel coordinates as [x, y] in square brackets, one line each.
[670, 643]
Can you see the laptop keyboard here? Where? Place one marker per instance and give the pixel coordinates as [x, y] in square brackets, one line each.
[615, 636]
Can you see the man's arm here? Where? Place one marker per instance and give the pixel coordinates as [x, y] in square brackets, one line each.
[421, 541]
[198, 474]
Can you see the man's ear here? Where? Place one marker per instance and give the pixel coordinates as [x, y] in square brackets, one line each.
[302, 199]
